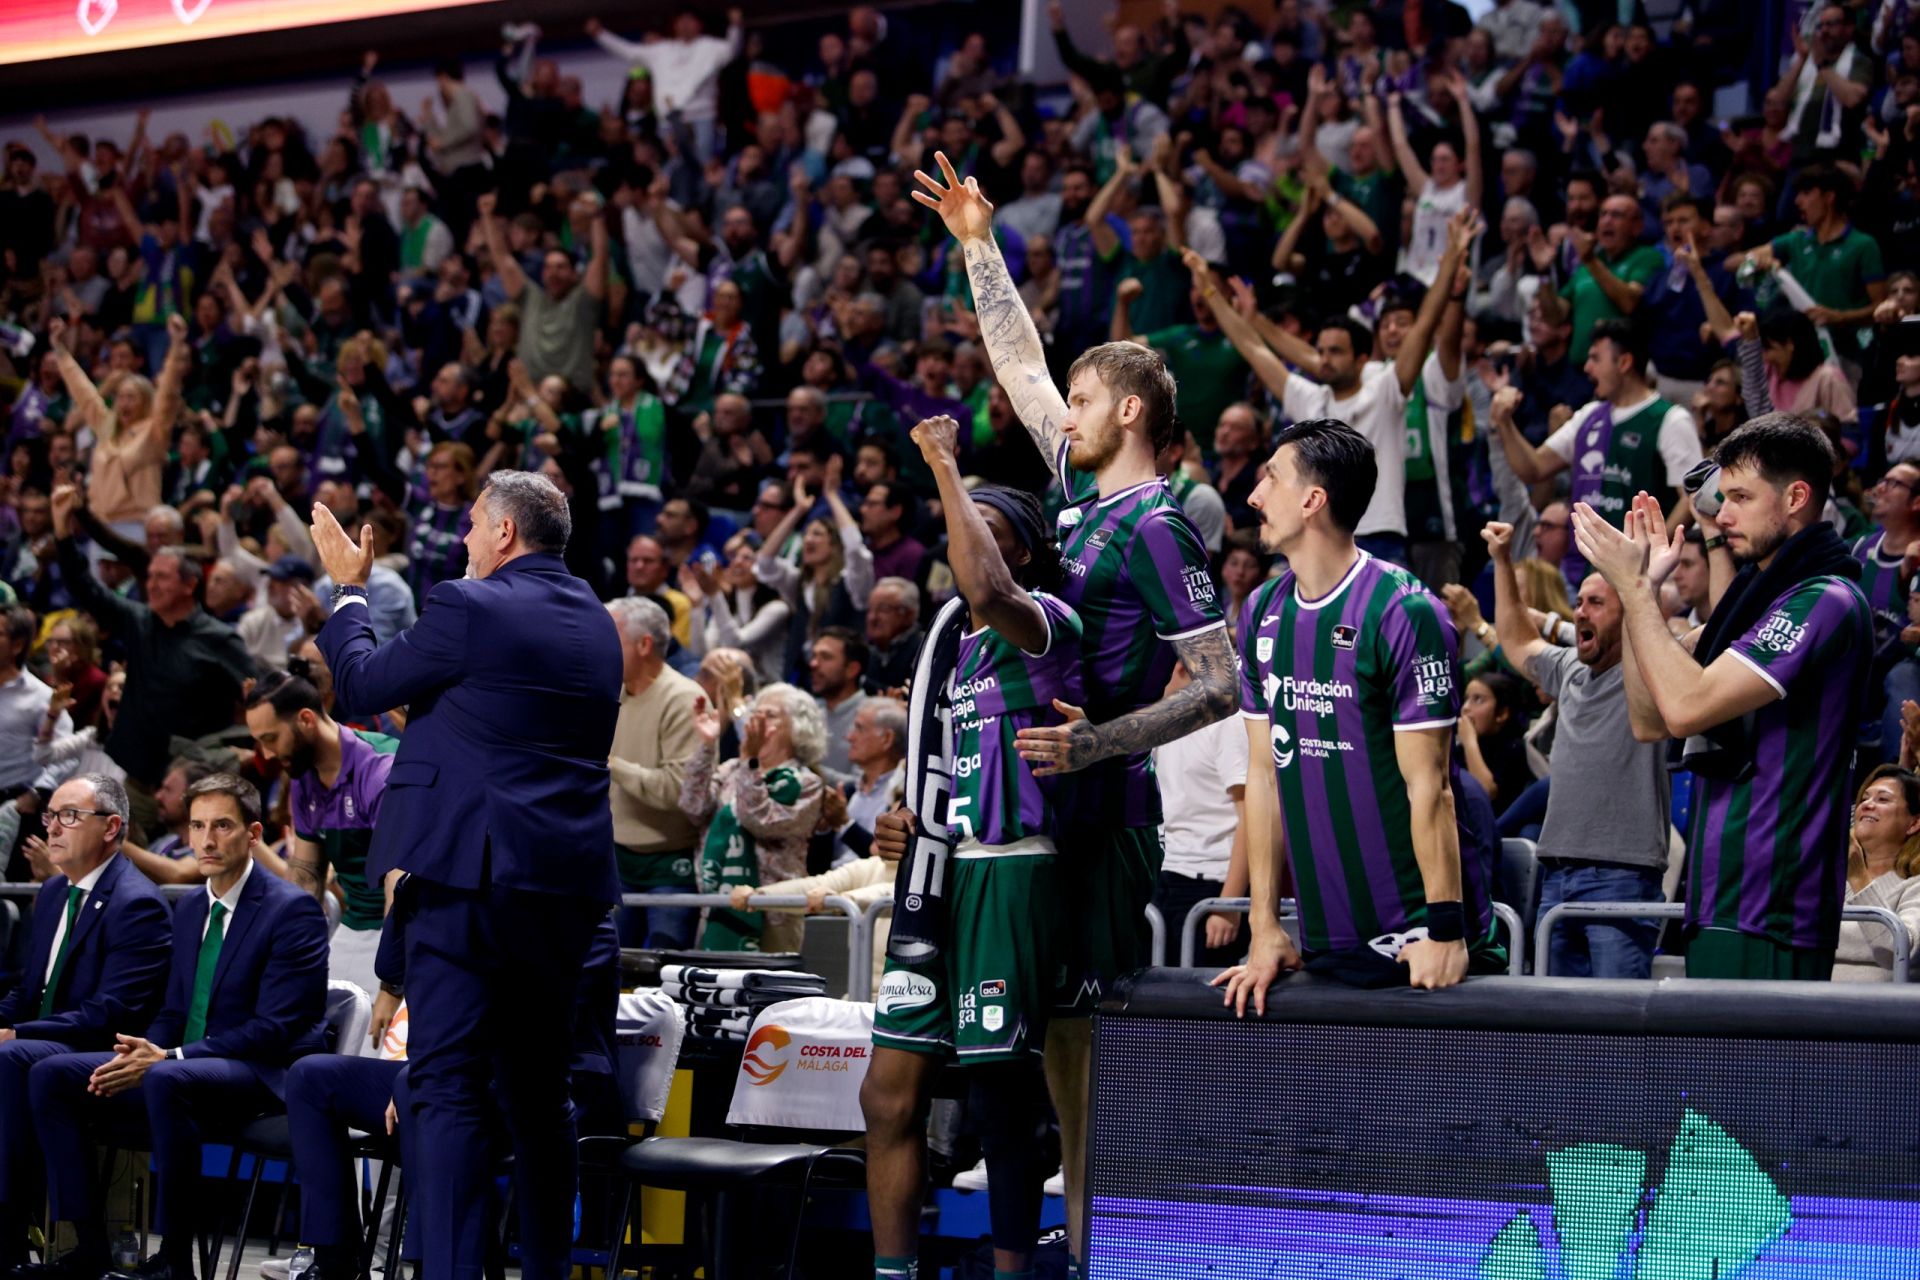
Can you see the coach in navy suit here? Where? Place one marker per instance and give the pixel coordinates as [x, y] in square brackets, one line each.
[246, 996]
[497, 808]
[96, 966]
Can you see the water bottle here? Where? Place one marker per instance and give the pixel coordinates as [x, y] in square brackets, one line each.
[300, 1266]
[126, 1251]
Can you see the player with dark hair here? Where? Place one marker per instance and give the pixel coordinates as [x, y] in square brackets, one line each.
[1138, 576]
[337, 777]
[1766, 698]
[985, 998]
[1349, 690]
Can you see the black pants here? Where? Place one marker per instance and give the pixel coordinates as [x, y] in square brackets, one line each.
[1175, 895]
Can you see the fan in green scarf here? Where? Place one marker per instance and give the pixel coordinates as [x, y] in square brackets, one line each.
[760, 807]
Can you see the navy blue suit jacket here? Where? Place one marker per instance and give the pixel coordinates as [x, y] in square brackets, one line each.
[116, 967]
[512, 685]
[269, 1002]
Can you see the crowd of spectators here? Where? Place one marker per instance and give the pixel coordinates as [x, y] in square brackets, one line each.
[710, 312]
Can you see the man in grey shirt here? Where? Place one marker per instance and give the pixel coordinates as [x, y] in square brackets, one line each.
[1605, 834]
[836, 662]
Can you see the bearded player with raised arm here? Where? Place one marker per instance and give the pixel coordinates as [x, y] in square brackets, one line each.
[1137, 576]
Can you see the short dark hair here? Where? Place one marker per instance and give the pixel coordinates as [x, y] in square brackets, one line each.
[701, 514]
[1627, 338]
[20, 627]
[535, 505]
[1129, 369]
[1359, 334]
[287, 694]
[1337, 459]
[1823, 177]
[888, 454]
[451, 67]
[1685, 200]
[819, 446]
[227, 784]
[1782, 447]
[852, 643]
[1595, 183]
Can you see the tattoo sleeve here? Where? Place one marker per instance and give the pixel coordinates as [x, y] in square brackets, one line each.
[1208, 657]
[1013, 345]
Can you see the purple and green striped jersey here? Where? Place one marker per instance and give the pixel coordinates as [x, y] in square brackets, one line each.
[1884, 584]
[340, 819]
[1336, 678]
[1136, 573]
[438, 549]
[997, 690]
[1768, 854]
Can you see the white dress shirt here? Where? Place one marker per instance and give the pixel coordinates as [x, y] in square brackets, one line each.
[85, 884]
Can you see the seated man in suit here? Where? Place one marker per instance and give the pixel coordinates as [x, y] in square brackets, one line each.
[330, 1093]
[97, 965]
[246, 996]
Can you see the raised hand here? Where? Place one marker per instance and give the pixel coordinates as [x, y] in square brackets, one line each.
[1664, 550]
[1498, 536]
[1505, 401]
[1540, 250]
[938, 437]
[57, 334]
[348, 563]
[961, 204]
[706, 721]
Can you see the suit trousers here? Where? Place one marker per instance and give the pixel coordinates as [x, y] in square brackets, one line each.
[328, 1094]
[495, 970]
[19, 1147]
[172, 1108]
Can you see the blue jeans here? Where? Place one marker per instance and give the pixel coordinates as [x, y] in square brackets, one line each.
[661, 928]
[1522, 819]
[1600, 948]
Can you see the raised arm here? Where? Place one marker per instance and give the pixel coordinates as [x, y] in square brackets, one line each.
[597, 262]
[86, 397]
[1289, 240]
[1530, 462]
[1402, 149]
[1013, 139]
[1519, 640]
[1719, 319]
[1461, 229]
[1013, 344]
[1267, 366]
[982, 576]
[1470, 128]
[513, 281]
[1105, 240]
[1623, 294]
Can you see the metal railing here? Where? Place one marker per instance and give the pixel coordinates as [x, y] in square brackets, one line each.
[1516, 930]
[1543, 934]
[859, 924]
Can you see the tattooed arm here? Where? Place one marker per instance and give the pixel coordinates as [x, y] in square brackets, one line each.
[1013, 344]
[1207, 656]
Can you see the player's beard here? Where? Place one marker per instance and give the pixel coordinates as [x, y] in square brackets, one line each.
[1761, 545]
[1091, 451]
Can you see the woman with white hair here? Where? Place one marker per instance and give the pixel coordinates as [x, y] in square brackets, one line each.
[757, 811]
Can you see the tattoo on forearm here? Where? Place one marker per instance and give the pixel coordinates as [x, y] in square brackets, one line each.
[1014, 348]
[1208, 657]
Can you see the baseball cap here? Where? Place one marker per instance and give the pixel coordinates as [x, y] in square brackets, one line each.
[288, 568]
